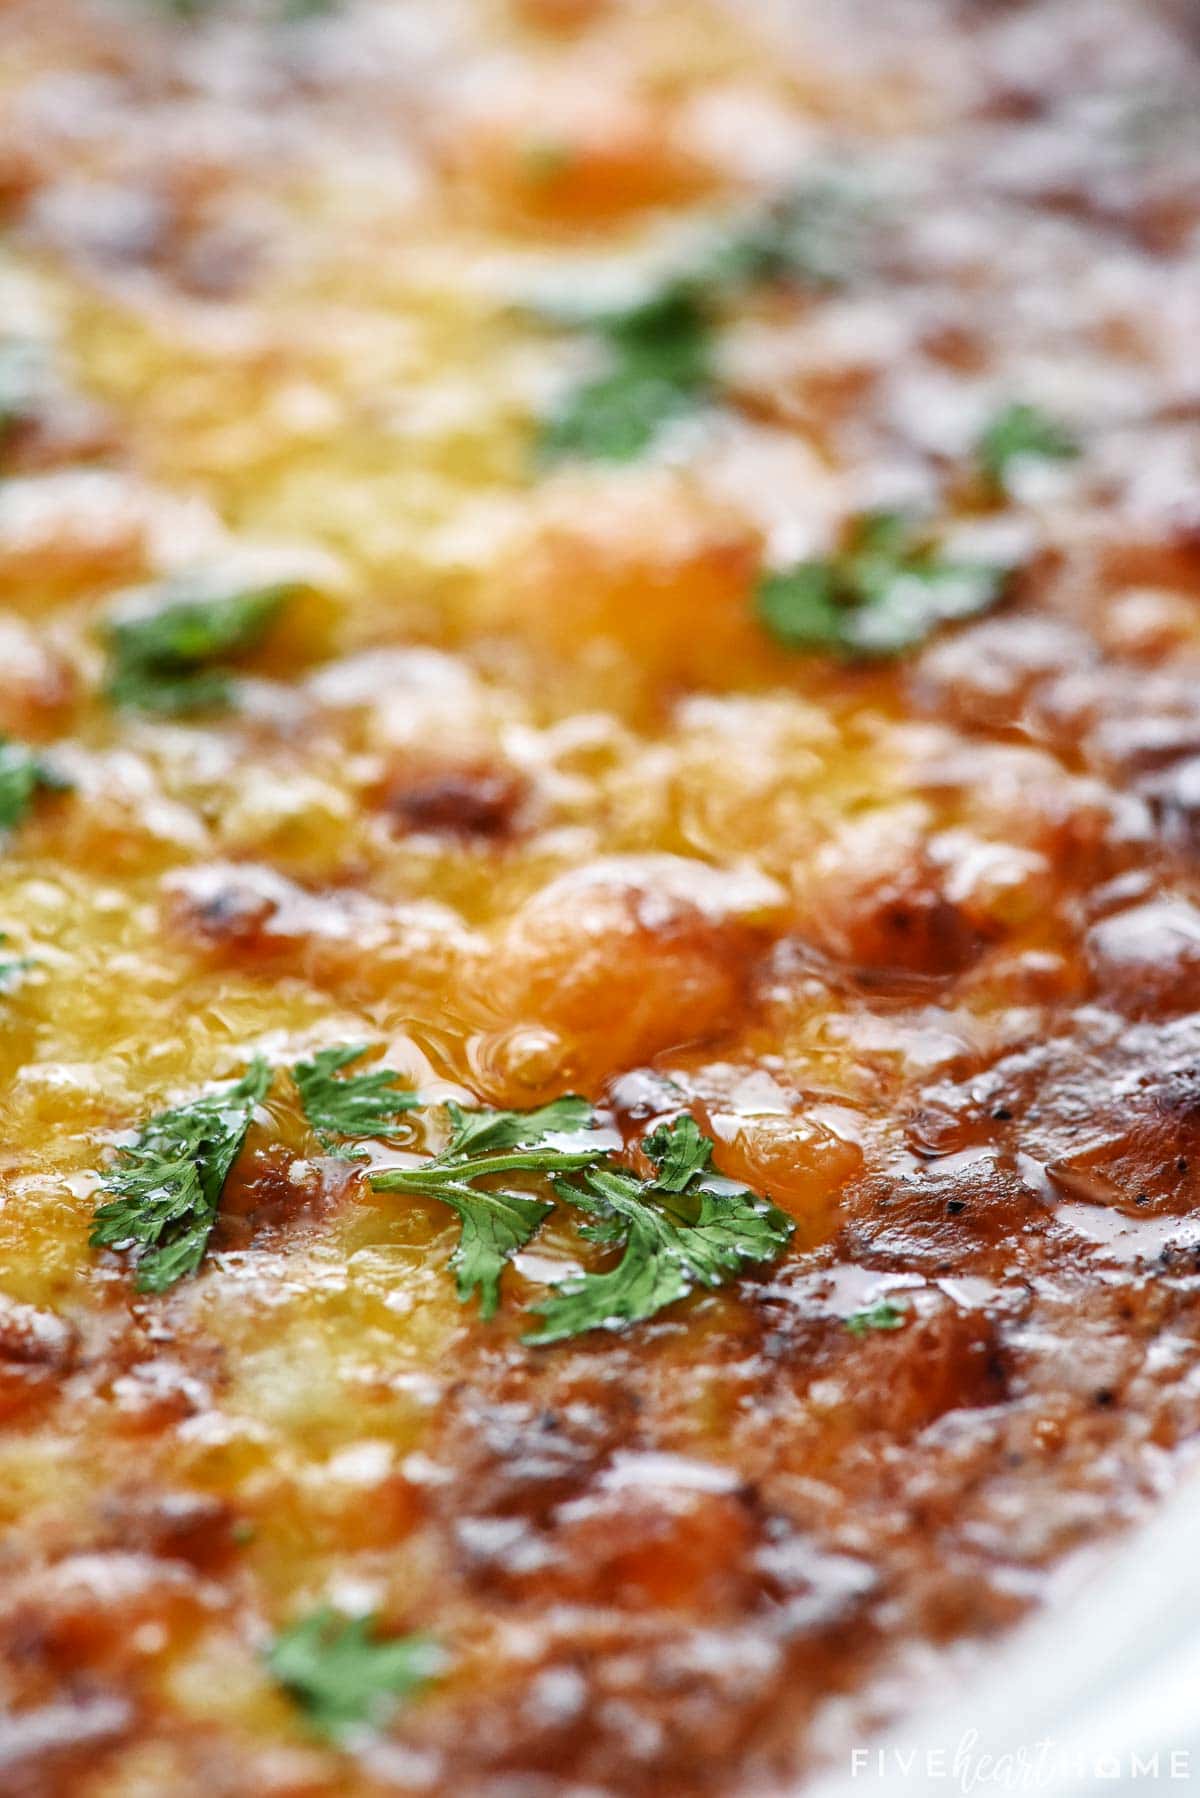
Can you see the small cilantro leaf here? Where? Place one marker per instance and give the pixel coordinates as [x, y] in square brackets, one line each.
[882, 1316]
[165, 643]
[478, 1131]
[659, 370]
[884, 593]
[342, 1674]
[166, 1186]
[616, 417]
[812, 234]
[365, 1104]
[494, 1222]
[675, 1237]
[660, 349]
[1022, 433]
[23, 773]
[679, 1151]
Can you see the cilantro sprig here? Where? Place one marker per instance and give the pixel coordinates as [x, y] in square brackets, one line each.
[813, 234]
[354, 1105]
[681, 1227]
[23, 774]
[885, 592]
[660, 368]
[1022, 433]
[660, 349]
[685, 1227]
[478, 1130]
[495, 1221]
[167, 644]
[165, 1189]
[344, 1675]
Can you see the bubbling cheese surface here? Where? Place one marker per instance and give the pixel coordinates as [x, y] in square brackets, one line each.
[519, 787]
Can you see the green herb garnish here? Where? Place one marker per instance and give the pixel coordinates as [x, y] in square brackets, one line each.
[660, 348]
[885, 592]
[1022, 433]
[358, 1104]
[882, 1316]
[166, 1187]
[165, 647]
[679, 1151]
[342, 1675]
[684, 1228]
[478, 1130]
[495, 1221]
[812, 235]
[23, 774]
[660, 357]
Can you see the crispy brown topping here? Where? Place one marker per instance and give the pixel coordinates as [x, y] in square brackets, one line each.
[473, 803]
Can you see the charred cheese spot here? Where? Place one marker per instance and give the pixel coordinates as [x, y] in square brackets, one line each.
[178, 1525]
[471, 803]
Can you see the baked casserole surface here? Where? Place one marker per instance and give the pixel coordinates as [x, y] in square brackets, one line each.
[638, 549]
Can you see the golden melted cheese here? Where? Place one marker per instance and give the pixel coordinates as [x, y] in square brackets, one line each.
[520, 789]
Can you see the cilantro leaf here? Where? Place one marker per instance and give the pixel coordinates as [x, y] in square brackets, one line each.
[676, 1236]
[494, 1225]
[23, 773]
[166, 1187]
[679, 1151]
[882, 1316]
[364, 1104]
[811, 234]
[342, 1674]
[1022, 433]
[477, 1131]
[659, 356]
[884, 593]
[494, 1221]
[166, 642]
